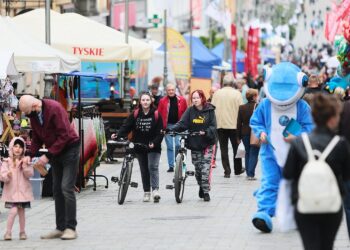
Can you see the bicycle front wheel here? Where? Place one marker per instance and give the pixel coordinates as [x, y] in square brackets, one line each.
[179, 181]
[125, 178]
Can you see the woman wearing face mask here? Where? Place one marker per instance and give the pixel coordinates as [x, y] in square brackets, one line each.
[318, 231]
[200, 117]
[146, 125]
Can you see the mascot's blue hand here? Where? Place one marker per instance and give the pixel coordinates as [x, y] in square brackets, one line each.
[335, 82]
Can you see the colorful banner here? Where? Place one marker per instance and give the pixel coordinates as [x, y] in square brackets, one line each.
[334, 19]
[252, 53]
[179, 58]
[119, 15]
[234, 48]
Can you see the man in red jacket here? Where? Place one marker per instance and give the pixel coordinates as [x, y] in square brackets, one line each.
[50, 126]
[171, 107]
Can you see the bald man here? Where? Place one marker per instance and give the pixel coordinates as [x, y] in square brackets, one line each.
[50, 126]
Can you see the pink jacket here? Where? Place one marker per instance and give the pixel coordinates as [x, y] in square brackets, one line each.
[17, 188]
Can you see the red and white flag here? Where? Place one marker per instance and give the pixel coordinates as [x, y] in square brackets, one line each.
[234, 48]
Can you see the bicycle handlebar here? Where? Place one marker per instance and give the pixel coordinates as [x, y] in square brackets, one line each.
[186, 133]
[126, 143]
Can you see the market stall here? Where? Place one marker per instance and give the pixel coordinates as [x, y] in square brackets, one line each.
[89, 40]
[83, 37]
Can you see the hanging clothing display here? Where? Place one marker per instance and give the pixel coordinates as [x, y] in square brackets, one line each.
[64, 91]
[95, 144]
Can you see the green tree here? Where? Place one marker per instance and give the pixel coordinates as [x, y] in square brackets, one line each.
[213, 35]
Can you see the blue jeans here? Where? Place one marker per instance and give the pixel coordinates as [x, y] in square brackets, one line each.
[251, 156]
[347, 204]
[170, 147]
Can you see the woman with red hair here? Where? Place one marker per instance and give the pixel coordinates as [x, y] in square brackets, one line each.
[200, 117]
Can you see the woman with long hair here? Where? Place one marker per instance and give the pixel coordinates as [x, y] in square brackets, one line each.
[146, 125]
[200, 117]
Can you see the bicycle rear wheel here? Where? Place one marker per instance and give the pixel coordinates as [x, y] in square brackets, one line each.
[179, 181]
[125, 178]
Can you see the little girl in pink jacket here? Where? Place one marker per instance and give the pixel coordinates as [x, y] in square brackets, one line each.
[17, 193]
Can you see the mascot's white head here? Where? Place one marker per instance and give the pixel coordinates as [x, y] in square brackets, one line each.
[284, 84]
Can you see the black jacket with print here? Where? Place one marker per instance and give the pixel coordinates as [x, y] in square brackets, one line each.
[195, 120]
[145, 129]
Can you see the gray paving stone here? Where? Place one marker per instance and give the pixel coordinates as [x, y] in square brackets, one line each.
[223, 223]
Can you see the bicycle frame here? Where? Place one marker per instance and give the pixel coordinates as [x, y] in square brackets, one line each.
[124, 179]
[182, 152]
[181, 173]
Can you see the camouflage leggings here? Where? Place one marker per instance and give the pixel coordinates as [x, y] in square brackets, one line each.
[201, 161]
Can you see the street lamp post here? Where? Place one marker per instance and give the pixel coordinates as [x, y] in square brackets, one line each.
[165, 74]
[47, 22]
[127, 98]
[191, 27]
[48, 79]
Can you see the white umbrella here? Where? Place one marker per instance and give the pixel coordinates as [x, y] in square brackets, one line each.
[7, 64]
[31, 55]
[83, 37]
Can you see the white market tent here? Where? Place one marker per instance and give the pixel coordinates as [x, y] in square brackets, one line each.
[31, 55]
[83, 37]
[7, 64]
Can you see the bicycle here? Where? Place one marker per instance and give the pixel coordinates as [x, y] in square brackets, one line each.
[181, 173]
[124, 180]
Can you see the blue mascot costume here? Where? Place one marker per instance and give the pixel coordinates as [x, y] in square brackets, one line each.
[284, 86]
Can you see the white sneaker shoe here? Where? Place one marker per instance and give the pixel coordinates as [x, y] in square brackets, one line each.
[147, 197]
[156, 196]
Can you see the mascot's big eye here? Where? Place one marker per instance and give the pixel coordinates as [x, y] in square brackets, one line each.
[266, 73]
[302, 79]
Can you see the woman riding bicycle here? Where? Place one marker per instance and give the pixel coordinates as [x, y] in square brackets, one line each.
[200, 117]
[145, 125]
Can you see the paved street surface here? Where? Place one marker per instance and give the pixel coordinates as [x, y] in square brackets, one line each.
[223, 223]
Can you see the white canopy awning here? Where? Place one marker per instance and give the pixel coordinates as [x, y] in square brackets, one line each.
[7, 64]
[31, 55]
[83, 37]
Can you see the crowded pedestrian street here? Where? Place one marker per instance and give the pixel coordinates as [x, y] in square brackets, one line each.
[174, 125]
[223, 223]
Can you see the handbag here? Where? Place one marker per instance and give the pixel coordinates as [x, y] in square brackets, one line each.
[254, 141]
[240, 151]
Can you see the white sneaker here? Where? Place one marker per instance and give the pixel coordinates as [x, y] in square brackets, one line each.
[156, 196]
[147, 197]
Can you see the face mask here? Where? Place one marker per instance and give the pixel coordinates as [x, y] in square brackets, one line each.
[32, 114]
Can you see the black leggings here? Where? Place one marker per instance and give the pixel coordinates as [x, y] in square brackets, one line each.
[318, 231]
